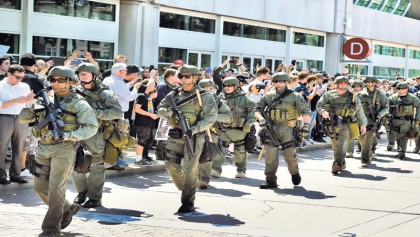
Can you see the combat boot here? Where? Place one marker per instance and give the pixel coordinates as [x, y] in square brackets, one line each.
[364, 164]
[186, 208]
[335, 168]
[215, 174]
[240, 175]
[92, 203]
[68, 215]
[80, 198]
[202, 185]
[417, 149]
[389, 147]
[296, 179]
[349, 154]
[268, 185]
[401, 155]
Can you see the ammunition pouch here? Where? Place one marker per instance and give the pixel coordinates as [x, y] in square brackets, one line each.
[406, 117]
[413, 133]
[31, 165]
[111, 153]
[265, 137]
[354, 130]
[117, 133]
[175, 133]
[176, 157]
[83, 161]
[251, 139]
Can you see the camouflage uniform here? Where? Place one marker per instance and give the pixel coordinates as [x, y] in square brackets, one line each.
[402, 116]
[182, 170]
[283, 114]
[57, 159]
[379, 108]
[106, 107]
[390, 133]
[341, 106]
[243, 118]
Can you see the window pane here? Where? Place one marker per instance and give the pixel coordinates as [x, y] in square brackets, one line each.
[202, 25]
[205, 60]
[376, 4]
[355, 69]
[413, 73]
[415, 54]
[401, 8]
[363, 3]
[224, 58]
[173, 21]
[277, 63]
[253, 32]
[82, 8]
[269, 64]
[11, 40]
[257, 63]
[390, 5]
[388, 72]
[169, 55]
[247, 62]
[232, 29]
[193, 59]
[308, 39]
[299, 65]
[389, 51]
[48, 46]
[275, 35]
[10, 4]
[315, 64]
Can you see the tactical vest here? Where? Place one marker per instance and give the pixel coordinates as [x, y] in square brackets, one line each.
[342, 105]
[237, 104]
[404, 106]
[94, 100]
[284, 110]
[366, 98]
[69, 115]
[190, 109]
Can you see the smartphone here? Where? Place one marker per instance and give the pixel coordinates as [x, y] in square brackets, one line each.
[233, 61]
[293, 62]
[82, 52]
[76, 62]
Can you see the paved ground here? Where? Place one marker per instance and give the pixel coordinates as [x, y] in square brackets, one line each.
[382, 200]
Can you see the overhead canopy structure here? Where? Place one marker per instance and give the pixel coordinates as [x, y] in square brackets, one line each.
[407, 8]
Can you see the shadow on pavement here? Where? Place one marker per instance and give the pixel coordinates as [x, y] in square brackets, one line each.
[112, 216]
[27, 198]
[376, 159]
[348, 174]
[224, 192]
[213, 219]
[411, 159]
[301, 191]
[71, 234]
[396, 170]
[242, 181]
[141, 182]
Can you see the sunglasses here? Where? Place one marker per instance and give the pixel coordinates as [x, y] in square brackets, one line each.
[401, 88]
[355, 86]
[184, 76]
[59, 80]
[18, 77]
[228, 86]
[368, 81]
[277, 81]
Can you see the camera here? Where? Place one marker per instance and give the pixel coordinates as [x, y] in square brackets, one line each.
[259, 85]
[76, 62]
[82, 53]
[233, 61]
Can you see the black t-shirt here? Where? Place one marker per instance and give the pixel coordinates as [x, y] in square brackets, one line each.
[2, 76]
[33, 81]
[147, 105]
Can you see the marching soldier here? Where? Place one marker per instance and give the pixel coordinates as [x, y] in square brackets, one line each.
[281, 108]
[106, 107]
[357, 86]
[224, 115]
[405, 116]
[55, 158]
[182, 163]
[243, 118]
[375, 106]
[386, 121]
[342, 114]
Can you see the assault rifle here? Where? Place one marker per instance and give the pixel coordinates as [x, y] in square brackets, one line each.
[185, 127]
[329, 124]
[372, 111]
[270, 129]
[54, 117]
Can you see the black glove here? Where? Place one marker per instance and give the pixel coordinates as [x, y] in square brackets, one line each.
[189, 133]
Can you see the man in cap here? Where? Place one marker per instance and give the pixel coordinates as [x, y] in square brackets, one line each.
[281, 107]
[243, 118]
[56, 156]
[339, 108]
[224, 115]
[106, 108]
[405, 116]
[375, 106]
[182, 167]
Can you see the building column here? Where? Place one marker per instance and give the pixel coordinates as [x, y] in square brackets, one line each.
[27, 22]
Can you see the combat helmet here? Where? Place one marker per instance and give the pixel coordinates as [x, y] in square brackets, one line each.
[190, 69]
[231, 81]
[371, 78]
[206, 83]
[358, 83]
[63, 72]
[280, 76]
[87, 67]
[341, 79]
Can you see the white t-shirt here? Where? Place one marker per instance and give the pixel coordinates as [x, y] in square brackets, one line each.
[9, 92]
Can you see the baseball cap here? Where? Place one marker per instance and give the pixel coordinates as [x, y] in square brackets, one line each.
[231, 71]
[179, 62]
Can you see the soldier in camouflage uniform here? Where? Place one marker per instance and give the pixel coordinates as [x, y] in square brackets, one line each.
[386, 121]
[402, 107]
[282, 107]
[106, 107]
[55, 159]
[183, 170]
[375, 106]
[357, 87]
[341, 107]
[243, 118]
[224, 115]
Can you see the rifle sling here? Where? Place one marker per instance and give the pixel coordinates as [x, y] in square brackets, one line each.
[189, 98]
[281, 96]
